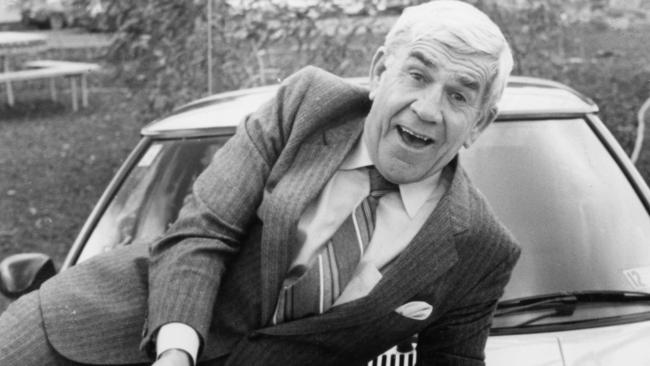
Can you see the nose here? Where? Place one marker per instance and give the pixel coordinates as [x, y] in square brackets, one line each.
[428, 105]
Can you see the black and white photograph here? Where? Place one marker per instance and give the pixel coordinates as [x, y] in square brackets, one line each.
[324, 182]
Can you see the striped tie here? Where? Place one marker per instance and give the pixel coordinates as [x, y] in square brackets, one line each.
[313, 290]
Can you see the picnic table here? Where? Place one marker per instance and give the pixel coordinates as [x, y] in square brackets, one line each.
[14, 43]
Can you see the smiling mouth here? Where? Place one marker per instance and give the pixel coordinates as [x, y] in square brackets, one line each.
[412, 138]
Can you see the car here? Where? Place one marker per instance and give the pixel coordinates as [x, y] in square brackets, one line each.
[58, 14]
[550, 169]
[55, 14]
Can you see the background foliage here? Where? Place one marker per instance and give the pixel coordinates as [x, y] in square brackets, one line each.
[252, 45]
[256, 42]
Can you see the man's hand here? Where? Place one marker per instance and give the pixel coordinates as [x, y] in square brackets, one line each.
[173, 357]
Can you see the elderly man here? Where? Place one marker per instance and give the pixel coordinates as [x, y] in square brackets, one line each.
[336, 223]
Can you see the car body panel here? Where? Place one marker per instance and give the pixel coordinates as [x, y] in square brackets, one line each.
[525, 97]
[625, 344]
[617, 345]
[537, 350]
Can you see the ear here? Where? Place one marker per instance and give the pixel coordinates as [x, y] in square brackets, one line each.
[485, 120]
[377, 68]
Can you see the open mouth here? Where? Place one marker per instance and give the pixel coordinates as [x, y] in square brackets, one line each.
[412, 138]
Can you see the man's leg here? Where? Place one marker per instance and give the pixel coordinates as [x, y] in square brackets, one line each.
[22, 337]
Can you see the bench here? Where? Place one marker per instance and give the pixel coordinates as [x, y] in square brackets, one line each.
[51, 69]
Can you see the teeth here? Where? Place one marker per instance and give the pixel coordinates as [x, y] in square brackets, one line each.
[416, 135]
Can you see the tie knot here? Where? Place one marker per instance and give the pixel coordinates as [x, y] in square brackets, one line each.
[379, 185]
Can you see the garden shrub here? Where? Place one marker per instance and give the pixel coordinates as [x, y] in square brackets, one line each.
[161, 48]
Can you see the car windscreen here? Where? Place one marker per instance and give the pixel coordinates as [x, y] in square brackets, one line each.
[150, 197]
[581, 225]
[578, 219]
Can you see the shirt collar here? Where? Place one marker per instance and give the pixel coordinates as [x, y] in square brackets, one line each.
[413, 195]
[358, 157]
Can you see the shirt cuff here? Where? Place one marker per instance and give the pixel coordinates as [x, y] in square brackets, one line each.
[178, 336]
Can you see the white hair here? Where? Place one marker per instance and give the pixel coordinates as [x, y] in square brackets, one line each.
[464, 30]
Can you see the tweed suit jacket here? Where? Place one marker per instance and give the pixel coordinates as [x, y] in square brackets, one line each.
[220, 267]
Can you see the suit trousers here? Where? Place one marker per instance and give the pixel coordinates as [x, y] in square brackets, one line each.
[23, 341]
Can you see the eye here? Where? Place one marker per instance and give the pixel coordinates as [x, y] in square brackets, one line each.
[458, 97]
[415, 75]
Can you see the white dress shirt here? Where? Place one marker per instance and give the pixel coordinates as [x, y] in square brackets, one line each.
[399, 216]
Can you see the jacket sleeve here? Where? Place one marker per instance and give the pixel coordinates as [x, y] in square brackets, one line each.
[187, 263]
[459, 337]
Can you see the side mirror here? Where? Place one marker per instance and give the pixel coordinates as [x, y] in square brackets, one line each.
[22, 273]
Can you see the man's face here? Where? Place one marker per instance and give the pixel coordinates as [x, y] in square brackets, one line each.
[427, 103]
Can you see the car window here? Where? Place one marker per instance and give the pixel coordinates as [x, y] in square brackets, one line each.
[149, 199]
[579, 221]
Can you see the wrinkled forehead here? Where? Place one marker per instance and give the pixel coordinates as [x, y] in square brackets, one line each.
[471, 68]
[465, 42]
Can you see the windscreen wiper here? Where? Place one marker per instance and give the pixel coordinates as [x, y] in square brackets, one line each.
[564, 303]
